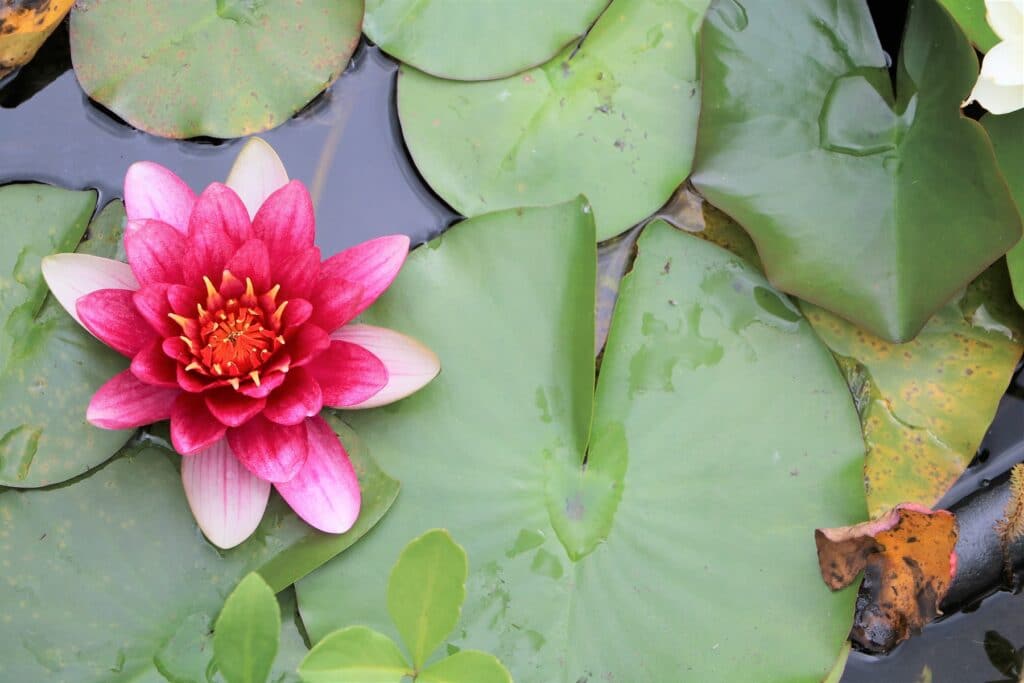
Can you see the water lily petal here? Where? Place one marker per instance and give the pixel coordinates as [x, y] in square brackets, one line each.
[110, 315]
[152, 366]
[373, 264]
[152, 191]
[251, 261]
[231, 408]
[269, 380]
[1004, 64]
[270, 451]
[152, 304]
[348, 374]
[298, 398]
[72, 276]
[335, 302]
[125, 403]
[256, 174]
[1006, 17]
[226, 499]
[193, 428]
[218, 226]
[183, 299]
[298, 273]
[410, 364]
[154, 251]
[296, 312]
[325, 492]
[306, 344]
[285, 220]
[998, 99]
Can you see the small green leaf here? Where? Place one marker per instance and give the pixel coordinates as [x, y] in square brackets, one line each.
[246, 635]
[468, 666]
[426, 590]
[355, 655]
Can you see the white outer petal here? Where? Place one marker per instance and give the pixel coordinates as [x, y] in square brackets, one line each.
[256, 174]
[72, 276]
[227, 500]
[1004, 63]
[410, 364]
[998, 99]
[1006, 17]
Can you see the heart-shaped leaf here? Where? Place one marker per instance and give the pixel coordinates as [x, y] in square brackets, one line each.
[223, 68]
[113, 564]
[722, 435]
[857, 198]
[473, 41]
[245, 637]
[614, 119]
[1007, 134]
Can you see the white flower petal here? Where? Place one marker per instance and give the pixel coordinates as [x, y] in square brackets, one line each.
[998, 99]
[1006, 17]
[226, 499]
[72, 276]
[410, 364]
[256, 174]
[1004, 64]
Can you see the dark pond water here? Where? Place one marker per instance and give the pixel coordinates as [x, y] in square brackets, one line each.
[347, 148]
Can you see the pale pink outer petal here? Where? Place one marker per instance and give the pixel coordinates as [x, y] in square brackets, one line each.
[325, 492]
[226, 499]
[410, 364]
[152, 191]
[256, 174]
[72, 276]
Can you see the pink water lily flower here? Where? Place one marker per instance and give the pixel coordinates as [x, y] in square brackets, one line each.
[239, 334]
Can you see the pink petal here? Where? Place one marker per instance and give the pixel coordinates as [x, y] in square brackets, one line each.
[227, 501]
[152, 191]
[270, 451]
[151, 303]
[348, 374]
[125, 403]
[298, 398]
[154, 251]
[72, 276]
[256, 174]
[285, 220]
[268, 381]
[231, 408]
[306, 344]
[325, 492]
[111, 316]
[176, 349]
[373, 264]
[335, 302]
[297, 312]
[183, 300]
[193, 428]
[410, 364]
[218, 226]
[152, 366]
[251, 261]
[297, 273]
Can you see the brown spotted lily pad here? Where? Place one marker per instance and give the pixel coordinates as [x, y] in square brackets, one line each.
[908, 558]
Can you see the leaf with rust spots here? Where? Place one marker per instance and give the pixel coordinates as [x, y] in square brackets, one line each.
[908, 561]
[24, 27]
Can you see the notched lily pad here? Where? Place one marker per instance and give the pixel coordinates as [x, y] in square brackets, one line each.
[197, 67]
[908, 561]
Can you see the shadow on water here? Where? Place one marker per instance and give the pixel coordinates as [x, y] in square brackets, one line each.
[346, 146]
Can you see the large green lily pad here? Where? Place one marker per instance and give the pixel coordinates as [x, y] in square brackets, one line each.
[222, 68]
[720, 435]
[107, 578]
[473, 41]
[49, 365]
[614, 119]
[857, 198]
[1007, 133]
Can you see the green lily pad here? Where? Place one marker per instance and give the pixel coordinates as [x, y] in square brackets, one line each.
[1007, 134]
[857, 198]
[107, 578]
[222, 68]
[722, 434]
[614, 119]
[49, 366]
[473, 41]
[970, 14]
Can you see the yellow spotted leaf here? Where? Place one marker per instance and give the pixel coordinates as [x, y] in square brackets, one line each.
[24, 26]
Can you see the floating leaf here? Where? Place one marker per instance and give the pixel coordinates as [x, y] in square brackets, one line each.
[614, 119]
[223, 68]
[474, 41]
[702, 468]
[970, 14]
[468, 666]
[857, 198]
[426, 591]
[108, 578]
[24, 27]
[355, 655]
[246, 634]
[1007, 134]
